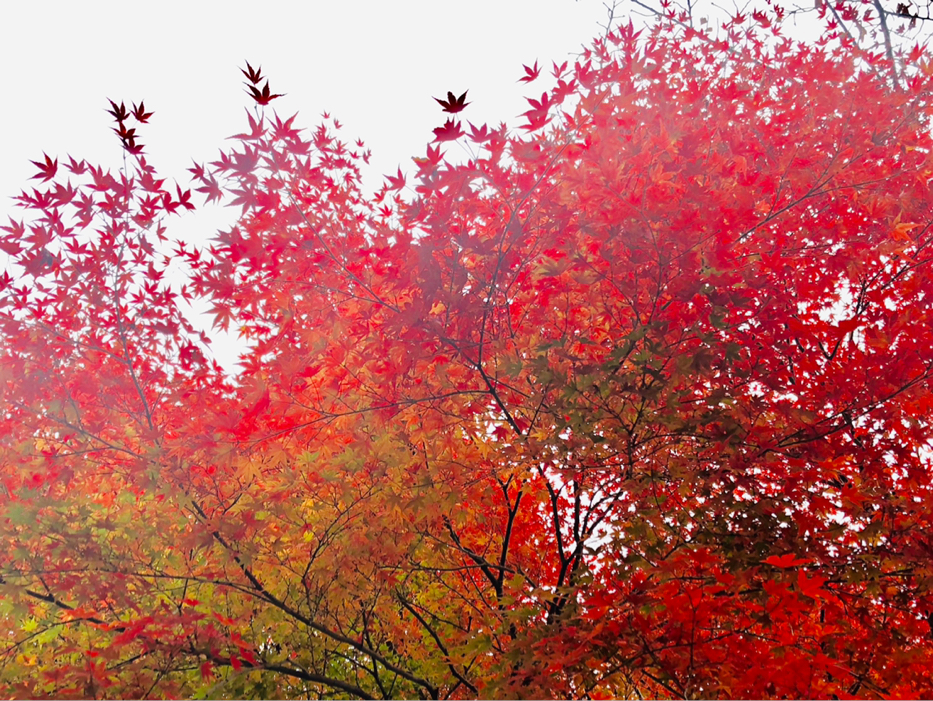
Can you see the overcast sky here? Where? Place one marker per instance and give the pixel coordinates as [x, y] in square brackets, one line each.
[373, 64]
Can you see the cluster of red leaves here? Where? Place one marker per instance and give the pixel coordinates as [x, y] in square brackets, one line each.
[127, 135]
[635, 402]
[262, 96]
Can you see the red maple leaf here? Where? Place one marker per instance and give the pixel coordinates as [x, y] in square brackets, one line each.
[118, 111]
[785, 561]
[453, 104]
[253, 76]
[47, 169]
[449, 132]
[396, 182]
[76, 167]
[140, 113]
[479, 135]
[211, 189]
[530, 73]
[264, 96]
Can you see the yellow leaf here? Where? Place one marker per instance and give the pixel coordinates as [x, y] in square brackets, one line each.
[30, 625]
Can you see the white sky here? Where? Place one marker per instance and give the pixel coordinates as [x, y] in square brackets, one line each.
[374, 65]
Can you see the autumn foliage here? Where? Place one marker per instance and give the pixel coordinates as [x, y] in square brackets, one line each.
[633, 400]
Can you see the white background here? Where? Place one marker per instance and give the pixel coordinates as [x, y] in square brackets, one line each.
[373, 64]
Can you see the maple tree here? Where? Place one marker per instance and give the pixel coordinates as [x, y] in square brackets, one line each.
[632, 401]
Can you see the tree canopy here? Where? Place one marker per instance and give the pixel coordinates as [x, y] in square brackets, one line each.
[634, 400]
